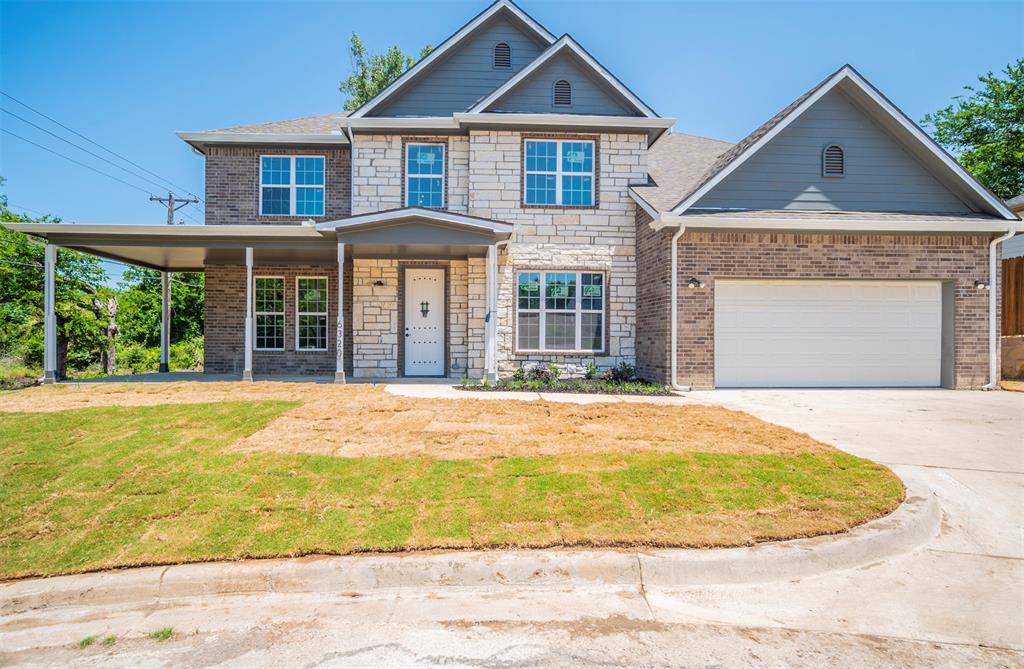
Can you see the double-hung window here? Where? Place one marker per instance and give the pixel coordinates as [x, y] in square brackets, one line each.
[560, 311]
[424, 175]
[268, 298]
[291, 185]
[559, 173]
[311, 314]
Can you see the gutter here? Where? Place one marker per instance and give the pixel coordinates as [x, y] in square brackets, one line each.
[993, 328]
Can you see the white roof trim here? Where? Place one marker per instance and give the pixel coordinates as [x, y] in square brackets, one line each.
[644, 204]
[208, 137]
[565, 42]
[866, 225]
[848, 73]
[447, 45]
[497, 118]
[430, 215]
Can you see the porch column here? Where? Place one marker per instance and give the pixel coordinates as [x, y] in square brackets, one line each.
[165, 322]
[49, 316]
[491, 323]
[247, 372]
[339, 370]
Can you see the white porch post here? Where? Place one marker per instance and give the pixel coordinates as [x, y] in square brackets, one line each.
[491, 329]
[339, 370]
[49, 316]
[165, 322]
[247, 372]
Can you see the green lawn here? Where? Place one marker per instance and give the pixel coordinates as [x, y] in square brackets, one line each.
[105, 487]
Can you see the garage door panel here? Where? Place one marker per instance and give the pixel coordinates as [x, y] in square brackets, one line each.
[827, 333]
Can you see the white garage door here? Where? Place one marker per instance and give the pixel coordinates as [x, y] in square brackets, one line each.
[782, 333]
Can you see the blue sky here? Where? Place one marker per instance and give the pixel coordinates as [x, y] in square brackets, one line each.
[129, 74]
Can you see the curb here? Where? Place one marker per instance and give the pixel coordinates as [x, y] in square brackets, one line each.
[912, 524]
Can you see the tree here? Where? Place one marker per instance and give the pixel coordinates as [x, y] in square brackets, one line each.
[985, 130]
[373, 72]
[140, 296]
[79, 283]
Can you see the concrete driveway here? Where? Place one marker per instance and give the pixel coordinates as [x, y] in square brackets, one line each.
[958, 601]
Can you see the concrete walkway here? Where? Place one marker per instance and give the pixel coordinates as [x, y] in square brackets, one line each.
[957, 601]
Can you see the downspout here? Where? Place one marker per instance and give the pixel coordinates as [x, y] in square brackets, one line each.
[993, 329]
[674, 309]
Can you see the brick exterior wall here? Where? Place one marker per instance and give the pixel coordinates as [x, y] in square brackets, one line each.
[232, 183]
[224, 332]
[957, 259]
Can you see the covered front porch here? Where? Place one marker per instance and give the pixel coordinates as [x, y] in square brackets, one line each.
[403, 293]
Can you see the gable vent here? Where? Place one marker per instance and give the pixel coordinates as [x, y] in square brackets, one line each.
[833, 161]
[563, 92]
[502, 55]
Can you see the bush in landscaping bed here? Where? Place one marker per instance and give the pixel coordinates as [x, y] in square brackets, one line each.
[536, 377]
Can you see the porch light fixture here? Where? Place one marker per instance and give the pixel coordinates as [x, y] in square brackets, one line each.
[981, 284]
[424, 308]
[693, 282]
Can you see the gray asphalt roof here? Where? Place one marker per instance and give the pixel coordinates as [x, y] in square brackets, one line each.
[307, 125]
[675, 163]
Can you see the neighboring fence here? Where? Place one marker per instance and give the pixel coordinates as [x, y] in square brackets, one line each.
[1013, 296]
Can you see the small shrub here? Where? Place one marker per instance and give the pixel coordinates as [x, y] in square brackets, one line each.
[187, 355]
[542, 373]
[590, 371]
[519, 374]
[620, 373]
[536, 385]
[555, 371]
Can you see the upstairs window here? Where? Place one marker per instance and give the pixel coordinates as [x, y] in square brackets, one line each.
[502, 55]
[563, 93]
[833, 161]
[559, 173]
[424, 175]
[291, 185]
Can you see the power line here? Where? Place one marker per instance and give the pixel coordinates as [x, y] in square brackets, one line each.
[77, 162]
[113, 153]
[80, 148]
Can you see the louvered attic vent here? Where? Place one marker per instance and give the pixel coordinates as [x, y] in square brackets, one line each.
[833, 161]
[563, 93]
[502, 55]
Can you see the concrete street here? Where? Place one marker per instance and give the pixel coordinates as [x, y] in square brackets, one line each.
[956, 602]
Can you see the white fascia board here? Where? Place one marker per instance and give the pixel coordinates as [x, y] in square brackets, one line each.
[577, 120]
[825, 225]
[403, 123]
[263, 138]
[762, 141]
[565, 42]
[432, 215]
[447, 45]
[184, 231]
[644, 204]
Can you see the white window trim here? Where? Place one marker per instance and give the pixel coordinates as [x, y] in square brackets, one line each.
[559, 173]
[325, 313]
[442, 176]
[579, 311]
[292, 186]
[256, 314]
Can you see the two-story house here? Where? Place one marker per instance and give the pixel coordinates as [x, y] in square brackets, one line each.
[509, 200]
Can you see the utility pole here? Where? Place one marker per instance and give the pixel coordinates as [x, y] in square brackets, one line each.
[173, 204]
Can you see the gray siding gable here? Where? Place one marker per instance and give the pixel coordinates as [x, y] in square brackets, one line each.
[590, 95]
[466, 75]
[881, 175]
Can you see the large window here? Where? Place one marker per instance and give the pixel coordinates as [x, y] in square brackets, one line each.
[560, 311]
[268, 296]
[559, 172]
[311, 314]
[292, 185]
[424, 175]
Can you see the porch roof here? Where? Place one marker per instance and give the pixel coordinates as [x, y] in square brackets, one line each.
[410, 232]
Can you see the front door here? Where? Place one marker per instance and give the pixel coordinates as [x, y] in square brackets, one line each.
[424, 322]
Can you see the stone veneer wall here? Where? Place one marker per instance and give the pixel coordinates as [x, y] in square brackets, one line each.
[378, 171]
[224, 331]
[957, 259]
[232, 183]
[601, 238]
[374, 318]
